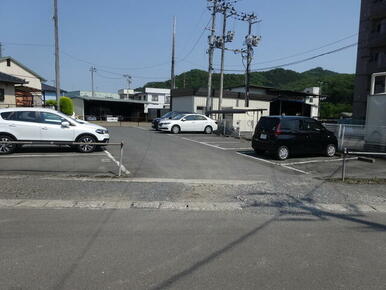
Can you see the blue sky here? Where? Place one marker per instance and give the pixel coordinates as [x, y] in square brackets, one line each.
[134, 37]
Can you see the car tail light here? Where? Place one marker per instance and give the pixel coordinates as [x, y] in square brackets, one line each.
[278, 131]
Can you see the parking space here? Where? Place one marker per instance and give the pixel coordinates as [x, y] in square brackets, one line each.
[317, 166]
[53, 160]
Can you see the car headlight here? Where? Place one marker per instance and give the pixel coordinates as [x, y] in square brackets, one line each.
[102, 131]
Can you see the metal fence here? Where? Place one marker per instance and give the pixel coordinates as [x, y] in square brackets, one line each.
[359, 137]
[353, 137]
[236, 128]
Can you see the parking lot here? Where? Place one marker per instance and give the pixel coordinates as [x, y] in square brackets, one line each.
[55, 160]
[152, 154]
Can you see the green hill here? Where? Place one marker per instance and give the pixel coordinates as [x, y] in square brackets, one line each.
[338, 87]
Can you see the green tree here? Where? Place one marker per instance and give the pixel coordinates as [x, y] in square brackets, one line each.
[333, 111]
[66, 106]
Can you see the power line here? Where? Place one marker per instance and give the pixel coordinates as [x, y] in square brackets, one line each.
[300, 61]
[196, 43]
[307, 51]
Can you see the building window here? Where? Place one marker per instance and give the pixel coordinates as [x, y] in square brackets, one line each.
[154, 98]
[8, 62]
[2, 94]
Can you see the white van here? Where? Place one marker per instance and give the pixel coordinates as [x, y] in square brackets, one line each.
[46, 125]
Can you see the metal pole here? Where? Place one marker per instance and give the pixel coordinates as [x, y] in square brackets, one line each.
[120, 160]
[222, 59]
[57, 62]
[248, 69]
[92, 70]
[173, 77]
[344, 164]
[210, 52]
[343, 133]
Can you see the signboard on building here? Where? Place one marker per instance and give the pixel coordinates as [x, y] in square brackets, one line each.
[111, 119]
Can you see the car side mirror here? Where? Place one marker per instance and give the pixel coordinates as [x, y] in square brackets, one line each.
[183, 120]
[65, 124]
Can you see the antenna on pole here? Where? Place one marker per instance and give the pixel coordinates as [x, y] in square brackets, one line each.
[92, 70]
[128, 79]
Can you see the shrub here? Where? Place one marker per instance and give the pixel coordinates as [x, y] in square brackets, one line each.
[66, 106]
[51, 103]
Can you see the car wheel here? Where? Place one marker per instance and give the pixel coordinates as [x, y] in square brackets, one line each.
[208, 130]
[282, 153]
[7, 148]
[330, 150]
[176, 129]
[86, 148]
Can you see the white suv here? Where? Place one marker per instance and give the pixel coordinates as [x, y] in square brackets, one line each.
[45, 125]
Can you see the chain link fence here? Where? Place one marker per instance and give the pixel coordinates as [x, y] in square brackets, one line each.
[359, 137]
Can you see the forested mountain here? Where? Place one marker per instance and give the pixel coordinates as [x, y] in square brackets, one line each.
[338, 87]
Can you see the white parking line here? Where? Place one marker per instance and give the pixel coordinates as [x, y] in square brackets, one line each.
[240, 148]
[220, 142]
[51, 155]
[203, 143]
[273, 163]
[116, 162]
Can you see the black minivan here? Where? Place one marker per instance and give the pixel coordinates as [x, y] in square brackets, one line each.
[283, 136]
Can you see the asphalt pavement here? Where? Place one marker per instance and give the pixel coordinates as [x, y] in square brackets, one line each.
[144, 249]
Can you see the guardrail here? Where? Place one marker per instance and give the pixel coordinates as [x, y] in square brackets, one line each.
[121, 144]
[347, 152]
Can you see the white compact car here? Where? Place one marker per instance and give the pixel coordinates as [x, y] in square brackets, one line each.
[46, 125]
[188, 123]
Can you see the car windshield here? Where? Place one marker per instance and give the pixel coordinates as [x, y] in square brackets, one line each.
[178, 117]
[167, 115]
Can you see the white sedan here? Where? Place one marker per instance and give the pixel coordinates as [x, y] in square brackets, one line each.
[188, 123]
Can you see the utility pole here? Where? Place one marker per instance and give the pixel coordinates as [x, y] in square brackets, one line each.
[227, 11]
[213, 8]
[173, 77]
[251, 41]
[128, 79]
[92, 70]
[57, 62]
[1, 50]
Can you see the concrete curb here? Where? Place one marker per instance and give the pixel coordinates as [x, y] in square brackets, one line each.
[58, 204]
[180, 205]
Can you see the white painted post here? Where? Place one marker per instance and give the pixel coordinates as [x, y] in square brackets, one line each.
[120, 160]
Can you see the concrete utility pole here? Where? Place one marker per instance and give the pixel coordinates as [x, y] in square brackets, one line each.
[92, 70]
[227, 11]
[213, 7]
[57, 62]
[250, 41]
[1, 50]
[173, 77]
